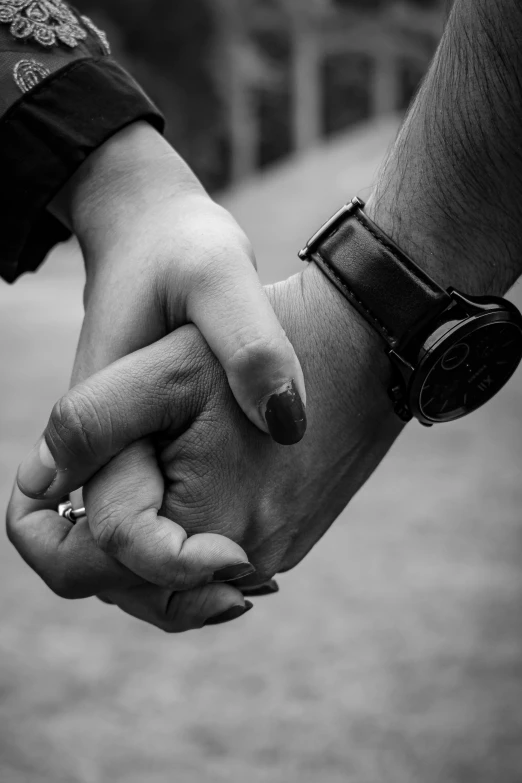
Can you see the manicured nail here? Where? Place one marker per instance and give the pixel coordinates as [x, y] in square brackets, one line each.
[269, 588]
[105, 600]
[233, 572]
[285, 415]
[231, 614]
[37, 471]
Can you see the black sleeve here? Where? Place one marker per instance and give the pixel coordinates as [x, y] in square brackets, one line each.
[61, 97]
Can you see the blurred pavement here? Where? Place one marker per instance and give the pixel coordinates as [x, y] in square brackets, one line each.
[393, 654]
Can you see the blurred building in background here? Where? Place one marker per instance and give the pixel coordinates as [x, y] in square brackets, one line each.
[246, 82]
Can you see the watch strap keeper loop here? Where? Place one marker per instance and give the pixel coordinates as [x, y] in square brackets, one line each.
[386, 286]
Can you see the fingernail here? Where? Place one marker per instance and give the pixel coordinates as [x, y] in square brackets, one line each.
[285, 415]
[233, 572]
[231, 614]
[105, 600]
[269, 588]
[37, 471]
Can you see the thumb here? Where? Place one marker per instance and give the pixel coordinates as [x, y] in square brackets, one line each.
[152, 390]
[229, 306]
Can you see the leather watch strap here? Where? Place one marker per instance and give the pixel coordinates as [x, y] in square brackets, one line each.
[389, 290]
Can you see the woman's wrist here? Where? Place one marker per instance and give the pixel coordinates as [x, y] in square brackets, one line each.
[130, 174]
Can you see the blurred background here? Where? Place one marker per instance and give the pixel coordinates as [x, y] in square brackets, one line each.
[245, 83]
[393, 654]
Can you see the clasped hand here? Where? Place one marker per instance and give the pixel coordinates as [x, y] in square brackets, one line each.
[188, 499]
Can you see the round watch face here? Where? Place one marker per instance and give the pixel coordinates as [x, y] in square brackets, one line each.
[470, 371]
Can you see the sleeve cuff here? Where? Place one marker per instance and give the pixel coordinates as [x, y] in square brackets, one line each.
[45, 137]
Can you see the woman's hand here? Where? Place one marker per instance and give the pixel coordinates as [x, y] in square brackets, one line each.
[207, 469]
[159, 253]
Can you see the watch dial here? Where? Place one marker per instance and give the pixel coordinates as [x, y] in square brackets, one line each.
[471, 371]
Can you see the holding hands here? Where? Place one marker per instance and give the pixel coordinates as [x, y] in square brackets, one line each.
[165, 452]
[159, 253]
[186, 366]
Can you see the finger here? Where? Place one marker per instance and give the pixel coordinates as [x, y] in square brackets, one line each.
[152, 390]
[267, 588]
[123, 501]
[175, 612]
[211, 281]
[65, 556]
[227, 303]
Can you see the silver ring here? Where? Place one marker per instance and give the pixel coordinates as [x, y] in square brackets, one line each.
[67, 511]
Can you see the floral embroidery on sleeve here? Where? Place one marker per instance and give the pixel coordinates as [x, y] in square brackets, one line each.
[48, 22]
[29, 73]
[98, 33]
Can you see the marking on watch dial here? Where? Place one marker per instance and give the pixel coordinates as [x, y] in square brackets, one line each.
[48, 22]
[29, 73]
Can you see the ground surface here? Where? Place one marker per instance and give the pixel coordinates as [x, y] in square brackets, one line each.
[393, 654]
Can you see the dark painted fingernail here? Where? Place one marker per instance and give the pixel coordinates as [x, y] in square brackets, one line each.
[233, 572]
[269, 588]
[285, 415]
[37, 471]
[231, 614]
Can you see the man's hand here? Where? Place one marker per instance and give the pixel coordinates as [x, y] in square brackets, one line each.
[222, 475]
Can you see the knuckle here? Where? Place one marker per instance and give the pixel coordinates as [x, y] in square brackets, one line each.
[136, 540]
[109, 530]
[176, 573]
[222, 246]
[180, 579]
[73, 426]
[260, 353]
[226, 228]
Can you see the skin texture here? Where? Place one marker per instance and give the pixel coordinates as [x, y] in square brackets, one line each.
[450, 191]
[449, 195]
[159, 253]
[278, 502]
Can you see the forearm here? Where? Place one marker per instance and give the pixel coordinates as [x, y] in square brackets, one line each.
[450, 191]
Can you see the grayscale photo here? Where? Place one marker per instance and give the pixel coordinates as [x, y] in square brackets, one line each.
[260, 393]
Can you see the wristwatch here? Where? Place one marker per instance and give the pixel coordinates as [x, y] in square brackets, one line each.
[450, 352]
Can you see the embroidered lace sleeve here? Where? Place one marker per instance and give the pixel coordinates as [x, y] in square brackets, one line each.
[61, 96]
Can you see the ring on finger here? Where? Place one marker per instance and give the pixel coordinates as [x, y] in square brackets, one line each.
[67, 511]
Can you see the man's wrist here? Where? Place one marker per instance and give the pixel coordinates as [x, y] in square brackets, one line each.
[448, 193]
[427, 231]
[333, 342]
